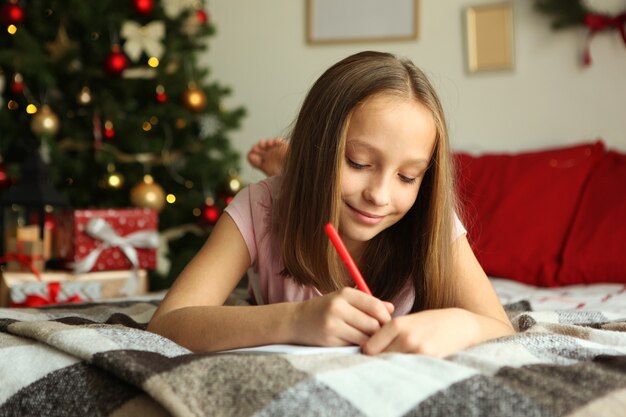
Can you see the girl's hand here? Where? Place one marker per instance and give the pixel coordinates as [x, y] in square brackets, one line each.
[432, 332]
[341, 318]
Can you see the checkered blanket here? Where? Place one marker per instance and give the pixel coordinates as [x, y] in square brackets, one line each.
[97, 360]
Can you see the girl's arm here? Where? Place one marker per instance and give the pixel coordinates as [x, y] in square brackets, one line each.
[477, 316]
[192, 313]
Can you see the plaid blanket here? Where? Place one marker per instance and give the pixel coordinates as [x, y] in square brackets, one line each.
[97, 360]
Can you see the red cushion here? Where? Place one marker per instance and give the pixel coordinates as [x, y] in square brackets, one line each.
[519, 208]
[596, 246]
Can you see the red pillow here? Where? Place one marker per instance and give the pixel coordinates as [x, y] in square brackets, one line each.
[596, 245]
[519, 208]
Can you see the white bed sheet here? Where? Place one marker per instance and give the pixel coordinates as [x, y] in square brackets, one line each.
[600, 297]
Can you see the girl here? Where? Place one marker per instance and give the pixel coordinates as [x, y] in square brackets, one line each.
[369, 153]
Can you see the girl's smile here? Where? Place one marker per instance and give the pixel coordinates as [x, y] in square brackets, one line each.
[364, 217]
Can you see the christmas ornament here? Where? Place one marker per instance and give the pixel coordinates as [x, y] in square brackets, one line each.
[194, 98]
[84, 96]
[210, 213]
[112, 180]
[160, 95]
[234, 183]
[143, 7]
[209, 125]
[148, 194]
[61, 45]
[202, 16]
[17, 84]
[11, 14]
[45, 122]
[174, 8]
[146, 38]
[115, 62]
[109, 131]
[5, 180]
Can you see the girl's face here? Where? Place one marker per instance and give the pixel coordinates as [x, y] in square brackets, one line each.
[389, 144]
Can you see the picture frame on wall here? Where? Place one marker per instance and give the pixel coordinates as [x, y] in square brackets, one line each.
[346, 21]
[489, 37]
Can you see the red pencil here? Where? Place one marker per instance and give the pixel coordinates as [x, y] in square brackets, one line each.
[346, 258]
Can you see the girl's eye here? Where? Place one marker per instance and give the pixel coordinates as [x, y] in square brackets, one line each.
[355, 165]
[408, 180]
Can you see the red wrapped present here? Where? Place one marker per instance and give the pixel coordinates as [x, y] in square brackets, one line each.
[108, 239]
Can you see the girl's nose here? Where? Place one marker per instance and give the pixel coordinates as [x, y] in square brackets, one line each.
[377, 192]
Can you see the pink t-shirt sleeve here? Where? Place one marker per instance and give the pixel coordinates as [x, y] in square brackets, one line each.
[251, 211]
[239, 210]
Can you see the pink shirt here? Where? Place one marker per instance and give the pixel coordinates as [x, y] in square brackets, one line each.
[251, 210]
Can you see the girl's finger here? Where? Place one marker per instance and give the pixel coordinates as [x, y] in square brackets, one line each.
[367, 304]
[352, 335]
[381, 341]
[363, 322]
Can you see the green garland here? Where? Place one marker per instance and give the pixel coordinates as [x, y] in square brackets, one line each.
[565, 13]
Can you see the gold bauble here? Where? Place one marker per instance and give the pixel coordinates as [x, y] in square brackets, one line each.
[148, 194]
[194, 98]
[45, 122]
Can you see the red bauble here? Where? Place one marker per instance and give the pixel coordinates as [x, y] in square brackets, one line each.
[143, 7]
[210, 214]
[17, 87]
[160, 95]
[109, 132]
[5, 180]
[11, 14]
[202, 17]
[115, 62]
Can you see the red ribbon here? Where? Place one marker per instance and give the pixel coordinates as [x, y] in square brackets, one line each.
[22, 258]
[599, 22]
[35, 300]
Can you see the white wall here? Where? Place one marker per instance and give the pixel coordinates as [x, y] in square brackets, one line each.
[549, 99]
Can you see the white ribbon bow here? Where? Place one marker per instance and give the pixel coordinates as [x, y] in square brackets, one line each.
[143, 38]
[99, 229]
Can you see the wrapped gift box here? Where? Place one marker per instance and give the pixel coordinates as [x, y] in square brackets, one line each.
[31, 233]
[15, 287]
[108, 239]
[25, 256]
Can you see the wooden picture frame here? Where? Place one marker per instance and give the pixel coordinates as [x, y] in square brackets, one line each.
[489, 37]
[345, 21]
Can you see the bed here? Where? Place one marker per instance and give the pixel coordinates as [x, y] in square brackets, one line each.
[564, 292]
[567, 359]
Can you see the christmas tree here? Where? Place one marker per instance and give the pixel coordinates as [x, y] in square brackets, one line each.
[111, 94]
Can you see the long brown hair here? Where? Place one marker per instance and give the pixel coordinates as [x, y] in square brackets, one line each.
[419, 246]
